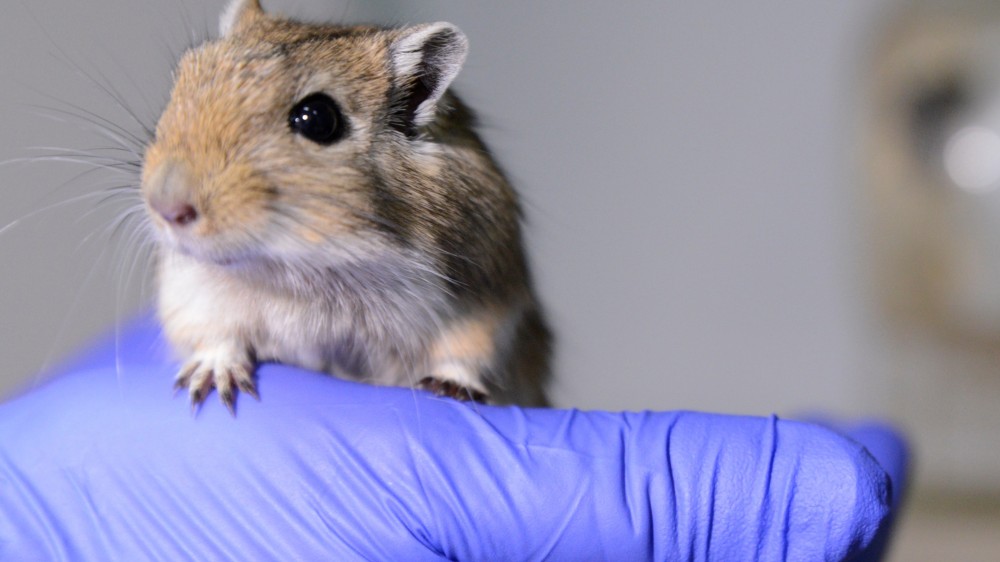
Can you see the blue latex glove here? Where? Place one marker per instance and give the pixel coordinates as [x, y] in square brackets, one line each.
[101, 464]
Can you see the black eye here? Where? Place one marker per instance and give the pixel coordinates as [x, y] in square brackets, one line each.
[317, 118]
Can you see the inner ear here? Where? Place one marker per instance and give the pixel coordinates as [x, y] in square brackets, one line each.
[426, 60]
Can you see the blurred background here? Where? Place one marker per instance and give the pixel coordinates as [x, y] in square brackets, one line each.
[733, 207]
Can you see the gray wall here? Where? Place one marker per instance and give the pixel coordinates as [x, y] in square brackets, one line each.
[686, 167]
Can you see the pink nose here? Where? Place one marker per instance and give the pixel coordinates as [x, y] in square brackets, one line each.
[169, 192]
[178, 214]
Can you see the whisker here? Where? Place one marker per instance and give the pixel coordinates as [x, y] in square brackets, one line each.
[48, 208]
[124, 156]
[91, 162]
[121, 221]
[130, 76]
[118, 260]
[67, 60]
[109, 88]
[64, 324]
[118, 192]
[112, 229]
[131, 220]
[114, 166]
[97, 124]
[97, 152]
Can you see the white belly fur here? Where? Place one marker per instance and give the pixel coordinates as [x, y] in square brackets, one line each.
[374, 323]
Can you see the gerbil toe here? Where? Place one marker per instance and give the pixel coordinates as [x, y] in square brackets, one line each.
[228, 398]
[220, 371]
[199, 384]
[224, 387]
[183, 378]
[249, 387]
[450, 389]
[231, 377]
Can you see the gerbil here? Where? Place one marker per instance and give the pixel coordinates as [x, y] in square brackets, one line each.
[322, 200]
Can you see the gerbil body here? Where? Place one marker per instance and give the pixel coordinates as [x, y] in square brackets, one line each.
[323, 201]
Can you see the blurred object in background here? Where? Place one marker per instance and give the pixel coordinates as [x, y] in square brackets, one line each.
[934, 162]
[932, 167]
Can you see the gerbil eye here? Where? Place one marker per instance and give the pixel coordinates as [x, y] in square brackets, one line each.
[317, 118]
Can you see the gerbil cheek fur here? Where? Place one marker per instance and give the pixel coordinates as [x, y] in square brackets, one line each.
[323, 200]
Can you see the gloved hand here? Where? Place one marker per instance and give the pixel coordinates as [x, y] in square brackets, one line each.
[99, 463]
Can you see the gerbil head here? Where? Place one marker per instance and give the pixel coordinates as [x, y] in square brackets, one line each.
[269, 148]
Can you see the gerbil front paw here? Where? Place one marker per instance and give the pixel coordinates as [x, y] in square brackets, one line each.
[452, 389]
[225, 369]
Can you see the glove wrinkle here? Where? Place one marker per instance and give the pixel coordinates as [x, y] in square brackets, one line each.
[100, 464]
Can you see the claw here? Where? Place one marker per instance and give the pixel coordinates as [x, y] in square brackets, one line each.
[195, 408]
[229, 399]
[451, 389]
[183, 378]
[221, 369]
[250, 388]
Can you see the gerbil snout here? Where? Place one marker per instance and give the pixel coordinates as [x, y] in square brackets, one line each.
[214, 213]
[169, 196]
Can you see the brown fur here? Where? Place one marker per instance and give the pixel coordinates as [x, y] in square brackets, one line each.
[392, 254]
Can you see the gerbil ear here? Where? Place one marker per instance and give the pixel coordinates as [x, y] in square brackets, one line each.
[238, 14]
[425, 60]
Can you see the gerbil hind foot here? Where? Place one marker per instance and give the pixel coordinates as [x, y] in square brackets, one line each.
[450, 389]
[227, 370]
